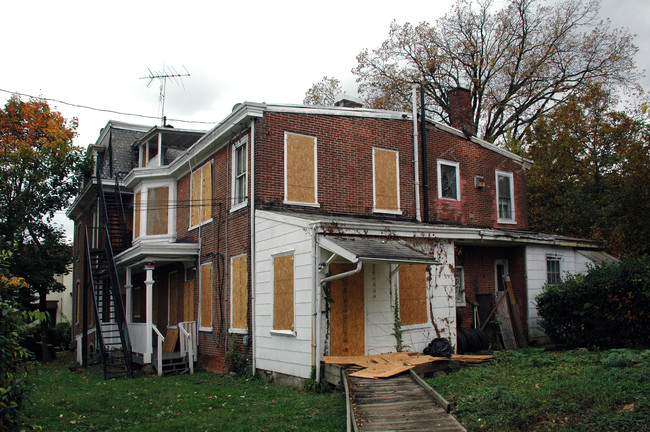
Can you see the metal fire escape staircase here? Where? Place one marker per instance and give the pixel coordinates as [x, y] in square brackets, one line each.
[109, 238]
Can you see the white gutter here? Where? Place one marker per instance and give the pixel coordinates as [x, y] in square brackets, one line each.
[416, 159]
[345, 274]
[252, 217]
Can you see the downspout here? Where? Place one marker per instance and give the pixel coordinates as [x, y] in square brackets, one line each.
[345, 274]
[416, 162]
[315, 312]
[425, 182]
[252, 236]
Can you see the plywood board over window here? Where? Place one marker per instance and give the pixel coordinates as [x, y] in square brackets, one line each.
[137, 203]
[157, 210]
[413, 294]
[206, 295]
[386, 180]
[206, 192]
[283, 292]
[300, 168]
[239, 293]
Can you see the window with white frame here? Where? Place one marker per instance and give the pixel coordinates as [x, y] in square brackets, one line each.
[240, 173]
[460, 286]
[448, 180]
[553, 270]
[385, 179]
[505, 197]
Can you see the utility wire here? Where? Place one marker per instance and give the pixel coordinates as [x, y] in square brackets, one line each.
[101, 109]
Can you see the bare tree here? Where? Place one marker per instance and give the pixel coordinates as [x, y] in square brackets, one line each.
[517, 62]
[324, 92]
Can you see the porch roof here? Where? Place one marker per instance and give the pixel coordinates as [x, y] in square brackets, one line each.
[356, 249]
[157, 252]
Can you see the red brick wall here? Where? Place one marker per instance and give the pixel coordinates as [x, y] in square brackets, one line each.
[477, 207]
[479, 267]
[225, 236]
[345, 182]
[344, 152]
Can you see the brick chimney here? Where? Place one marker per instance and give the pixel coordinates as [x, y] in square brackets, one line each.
[461, 114]
[348, 103]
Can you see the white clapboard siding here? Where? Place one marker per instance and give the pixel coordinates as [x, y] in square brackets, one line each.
[287, 354]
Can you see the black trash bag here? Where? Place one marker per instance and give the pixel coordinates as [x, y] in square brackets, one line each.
[438, 347]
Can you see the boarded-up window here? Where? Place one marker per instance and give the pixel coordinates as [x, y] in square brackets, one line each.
[172, 296]
[239, 293]
[300, 169]
[157, 210]
[206, 295]
[137, 204]
[413, 294]
[283, 292]
[201, 195]
[385, 179]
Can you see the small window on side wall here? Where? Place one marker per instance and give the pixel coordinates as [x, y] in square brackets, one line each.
[448, 180]
[553, 272]
[505, 197]
[240, 174]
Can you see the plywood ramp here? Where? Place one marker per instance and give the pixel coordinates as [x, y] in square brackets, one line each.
[399, 403]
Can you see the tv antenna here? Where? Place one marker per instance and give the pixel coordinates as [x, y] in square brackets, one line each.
[166, 73]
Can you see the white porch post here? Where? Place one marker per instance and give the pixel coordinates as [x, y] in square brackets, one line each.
[128, 286]
[149, 267]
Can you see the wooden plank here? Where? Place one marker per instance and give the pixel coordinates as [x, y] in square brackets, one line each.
[170, 340]
[347, 323]
[283, 300]
[239, 292]
[137, 205]
[195, 198]
[206, 295]
[300, 175]
[157, 210]
[434, 394]
[503, 317]
[413, 294]
[206, 192]
[188, 301]
[386, 179]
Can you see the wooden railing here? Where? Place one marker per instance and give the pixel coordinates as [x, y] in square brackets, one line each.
[188, 340]
[159, 351]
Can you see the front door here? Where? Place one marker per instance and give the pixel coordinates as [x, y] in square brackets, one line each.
[347, 324]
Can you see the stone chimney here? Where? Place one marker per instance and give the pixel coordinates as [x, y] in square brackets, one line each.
[461, 114]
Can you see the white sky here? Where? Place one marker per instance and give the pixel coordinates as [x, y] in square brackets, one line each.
[94, 53]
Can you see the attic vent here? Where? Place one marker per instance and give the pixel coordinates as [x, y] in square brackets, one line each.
[479, 182]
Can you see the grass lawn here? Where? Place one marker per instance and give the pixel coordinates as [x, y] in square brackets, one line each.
[527, 390]
[82, 401]
[535, 390]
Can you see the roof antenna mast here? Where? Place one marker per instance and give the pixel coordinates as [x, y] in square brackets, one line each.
[166, 73]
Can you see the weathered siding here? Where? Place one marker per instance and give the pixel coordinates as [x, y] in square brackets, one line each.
[284, 353]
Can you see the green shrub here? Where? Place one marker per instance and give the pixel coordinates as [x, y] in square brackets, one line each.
[13, 356]
[608, 307]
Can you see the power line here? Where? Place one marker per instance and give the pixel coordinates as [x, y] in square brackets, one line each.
[101, 109]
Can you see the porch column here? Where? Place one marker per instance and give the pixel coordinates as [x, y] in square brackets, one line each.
[128, 286]
[149, 267]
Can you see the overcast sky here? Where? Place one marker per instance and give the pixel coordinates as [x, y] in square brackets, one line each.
[94, 54]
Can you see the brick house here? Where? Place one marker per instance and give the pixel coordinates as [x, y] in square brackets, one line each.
[290, 232]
